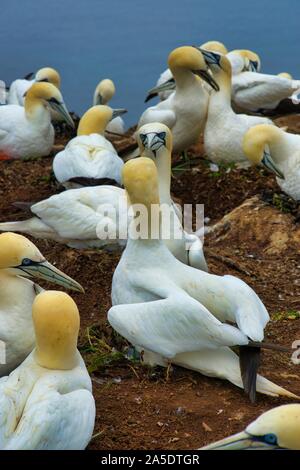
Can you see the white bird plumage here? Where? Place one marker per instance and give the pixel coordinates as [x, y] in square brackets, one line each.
[47, 402]
[89, 156]
[27, 131]
[179, 313]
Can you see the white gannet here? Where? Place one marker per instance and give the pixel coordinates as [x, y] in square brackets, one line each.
[279, 151]
[90, 159]
[27, 131]
[181, 314]
[257, 92]
[166, 84]
[19, 87]
[224, 130]
[77, 217]
[278, 428]
[47, 402]
[20, 260]
[184, 112]
[104, 92]
[155, 141]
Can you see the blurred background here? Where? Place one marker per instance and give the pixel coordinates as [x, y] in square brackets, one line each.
[129, 40]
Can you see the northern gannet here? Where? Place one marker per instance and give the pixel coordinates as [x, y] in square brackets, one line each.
[224, 130]
[181, 314]
[166, 84]
[155, 141]
[278, 428]
[47, 402]
[104, 92]
[90, 159]
[20, 260]
[257, 92]
[184, 112]
[19, 87]
[27, 131]
[279, 151]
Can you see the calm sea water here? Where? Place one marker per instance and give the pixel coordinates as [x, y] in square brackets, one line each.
[129, 40]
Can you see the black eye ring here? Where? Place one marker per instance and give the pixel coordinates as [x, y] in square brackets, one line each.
[26, 262]
[161, 135]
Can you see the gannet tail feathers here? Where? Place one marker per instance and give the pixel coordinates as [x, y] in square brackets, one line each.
[249, 364]
[33, 226]
[223, 363]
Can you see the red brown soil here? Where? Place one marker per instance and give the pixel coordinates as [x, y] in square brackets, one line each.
[141, 408]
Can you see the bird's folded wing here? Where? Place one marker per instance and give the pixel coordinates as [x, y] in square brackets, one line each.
[55, 421]
[265, 88]
[173, 325]
[76, 213]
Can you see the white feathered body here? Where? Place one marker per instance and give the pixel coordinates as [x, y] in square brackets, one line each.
[164, 77]
[43, 409]
[116, 125]
[252, 91]
[175, 313]
[184, 112]
[23, 138]
[90, 156]
[225, 130]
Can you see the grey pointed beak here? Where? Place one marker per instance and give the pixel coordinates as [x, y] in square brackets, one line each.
[169, 85]
[240, 441]
[269, 163]
[208, 78]
[29, 76]
[211, 58]
[62, 110]
[48, 272]
[253, 66]
[118, 112]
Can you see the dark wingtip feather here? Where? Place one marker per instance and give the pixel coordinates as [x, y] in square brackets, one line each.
[150, 96]
[249, 363]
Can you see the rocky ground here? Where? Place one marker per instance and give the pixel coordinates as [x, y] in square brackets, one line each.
[256, 236]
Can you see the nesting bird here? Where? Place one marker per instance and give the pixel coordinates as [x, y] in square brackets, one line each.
[278, 428]
[104, 92]
[279, 151]
[21, 261]
[19, 87]
[184, 112]
[90, 159]
[175, 313]
[47, 402]
[27, 131]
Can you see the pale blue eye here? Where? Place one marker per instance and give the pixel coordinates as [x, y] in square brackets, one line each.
[270, 439]
[26, 262]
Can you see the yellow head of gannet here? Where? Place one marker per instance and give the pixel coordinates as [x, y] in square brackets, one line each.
[20, 257]
[56, 324]
[140, 181]
[45, 94]
[95, 120]
[48, 74]
[215, 46]
[104, 92]
[251, 59]
[285, 75]
[256, 146]
[190, 58]
[278, 428]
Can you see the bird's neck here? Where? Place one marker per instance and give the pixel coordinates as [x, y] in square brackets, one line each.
[223, 96]
[281, 145]
[36, 111]
[55, 354]
[184, 78]
[163, 164]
